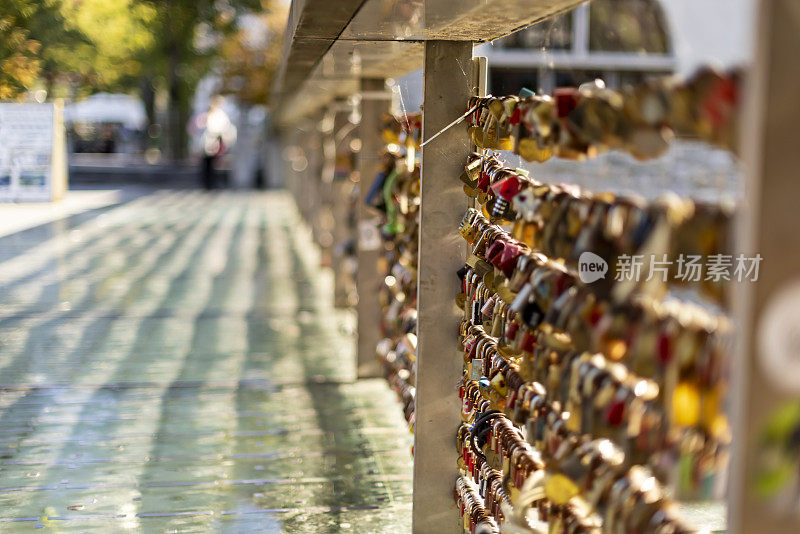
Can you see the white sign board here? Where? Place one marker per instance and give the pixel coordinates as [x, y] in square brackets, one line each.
[31, 138]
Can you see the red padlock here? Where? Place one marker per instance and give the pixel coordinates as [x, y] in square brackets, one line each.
[504, 191]
[528, 341]
[507, 262]
[495, 250]
[566, 99]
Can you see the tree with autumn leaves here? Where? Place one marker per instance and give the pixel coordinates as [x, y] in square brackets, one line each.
[32, 36]
[73, 48]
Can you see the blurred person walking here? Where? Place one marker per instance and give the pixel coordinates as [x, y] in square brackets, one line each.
[218, 135]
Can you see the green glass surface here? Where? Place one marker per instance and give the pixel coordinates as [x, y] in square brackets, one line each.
[175, 364]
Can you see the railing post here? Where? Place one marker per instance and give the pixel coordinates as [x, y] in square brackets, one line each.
[317, 198]
[764, 495]
[368, 279]
[448, 86]
[337, 145]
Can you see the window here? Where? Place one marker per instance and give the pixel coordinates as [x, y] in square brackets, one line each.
[511, 81]
[555, 34]
[605, 39]
[633, 26]
[636, 26]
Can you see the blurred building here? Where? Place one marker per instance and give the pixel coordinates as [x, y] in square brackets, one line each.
[106, 123]
[620, 41]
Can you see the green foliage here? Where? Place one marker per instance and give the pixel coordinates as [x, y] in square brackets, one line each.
[188, 36]
[249, 68]
[188, 33]
[75, 47]
[19, 63]
[86, 45]
[116, 36]
[57, 39]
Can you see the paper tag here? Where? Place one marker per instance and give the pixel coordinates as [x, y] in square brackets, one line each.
[410, 157]
[778, 338]
[477, 369]
[369, 238]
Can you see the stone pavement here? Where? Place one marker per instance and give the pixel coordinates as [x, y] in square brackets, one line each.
[17, 217]
[174, 364]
